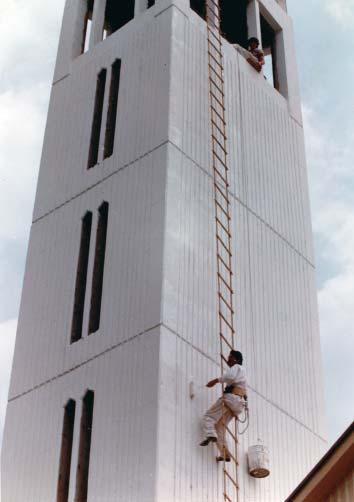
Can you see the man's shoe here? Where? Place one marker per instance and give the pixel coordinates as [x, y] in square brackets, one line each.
[209, 439]
[223, 459]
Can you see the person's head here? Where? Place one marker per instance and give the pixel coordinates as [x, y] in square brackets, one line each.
[235, 357]
[253, 43]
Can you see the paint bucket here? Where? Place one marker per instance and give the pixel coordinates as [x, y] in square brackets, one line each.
[258, 461]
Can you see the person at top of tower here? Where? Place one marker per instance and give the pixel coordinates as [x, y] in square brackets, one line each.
[230, 405]
[258, 55]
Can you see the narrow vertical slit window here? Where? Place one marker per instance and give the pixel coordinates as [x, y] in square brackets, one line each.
[270, 57]
[65, 452]
[81, 278]
[98, 270]
[199, 6]
[97, 119]
[112, 109]
[118, 14]
[87, 26]
[83, 466]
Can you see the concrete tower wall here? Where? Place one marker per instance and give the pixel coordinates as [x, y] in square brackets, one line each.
[158, 327]
[276, 309]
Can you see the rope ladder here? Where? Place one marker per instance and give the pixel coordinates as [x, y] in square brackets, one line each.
[222, 225]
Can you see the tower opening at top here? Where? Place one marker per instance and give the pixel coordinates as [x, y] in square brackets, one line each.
[233, 18]
[199, 6]
[117, 15]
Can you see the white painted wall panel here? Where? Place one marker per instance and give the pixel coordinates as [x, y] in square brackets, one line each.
[265, 143]
[276, 320]
[132, 277]
[142, 119]
[123, 448]
[197, 477]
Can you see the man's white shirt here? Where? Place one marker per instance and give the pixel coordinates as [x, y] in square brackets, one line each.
[235, 375]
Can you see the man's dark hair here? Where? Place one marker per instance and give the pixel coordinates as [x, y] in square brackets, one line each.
[237, 355]
[253, 39]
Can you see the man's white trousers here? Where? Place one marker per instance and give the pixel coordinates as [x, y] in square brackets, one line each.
[219, 416]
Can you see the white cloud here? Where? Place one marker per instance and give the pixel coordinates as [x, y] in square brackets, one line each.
[342, 11]
[28, 28]
[7, 342]
[330, 168]
[29, 31]
[21, 132]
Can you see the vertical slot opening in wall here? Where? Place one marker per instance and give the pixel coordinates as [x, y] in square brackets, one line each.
[97, 119]
[81, 278]
[83, 466]
[87, 26]
[233, 21]
[112, 109]
[270, 57]
[65, 452]
[118, 14]
[199, 6]
[98, 269]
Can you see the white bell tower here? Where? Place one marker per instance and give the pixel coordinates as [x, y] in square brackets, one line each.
[119, 311]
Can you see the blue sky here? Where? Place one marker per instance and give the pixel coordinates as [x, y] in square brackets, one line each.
[29, 31]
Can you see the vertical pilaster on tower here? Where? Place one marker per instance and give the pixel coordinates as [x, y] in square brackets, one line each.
[98, 22]
[253, 20]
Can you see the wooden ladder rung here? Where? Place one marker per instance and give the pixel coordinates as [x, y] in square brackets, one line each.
[226, 321]
[220, 77]
[214, 88]
[226, 303]
[221, 117]
[223, 210]
[216, 85]
[223, 147]
[219, 63]
[227, 250]
[226, 341]
[211, 23]
[221, 176]
[222, 162]
[224, 263]
[225, 196]
[218, 50]
[216, 129]
[220, 103]
[216, 36]
[227, 231]
[231, 479]
[225, 283]
[208, 2]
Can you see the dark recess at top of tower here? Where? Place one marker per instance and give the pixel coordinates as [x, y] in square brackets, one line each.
[118, 14]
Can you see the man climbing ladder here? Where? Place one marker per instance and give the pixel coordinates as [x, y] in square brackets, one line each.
[230, 405]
